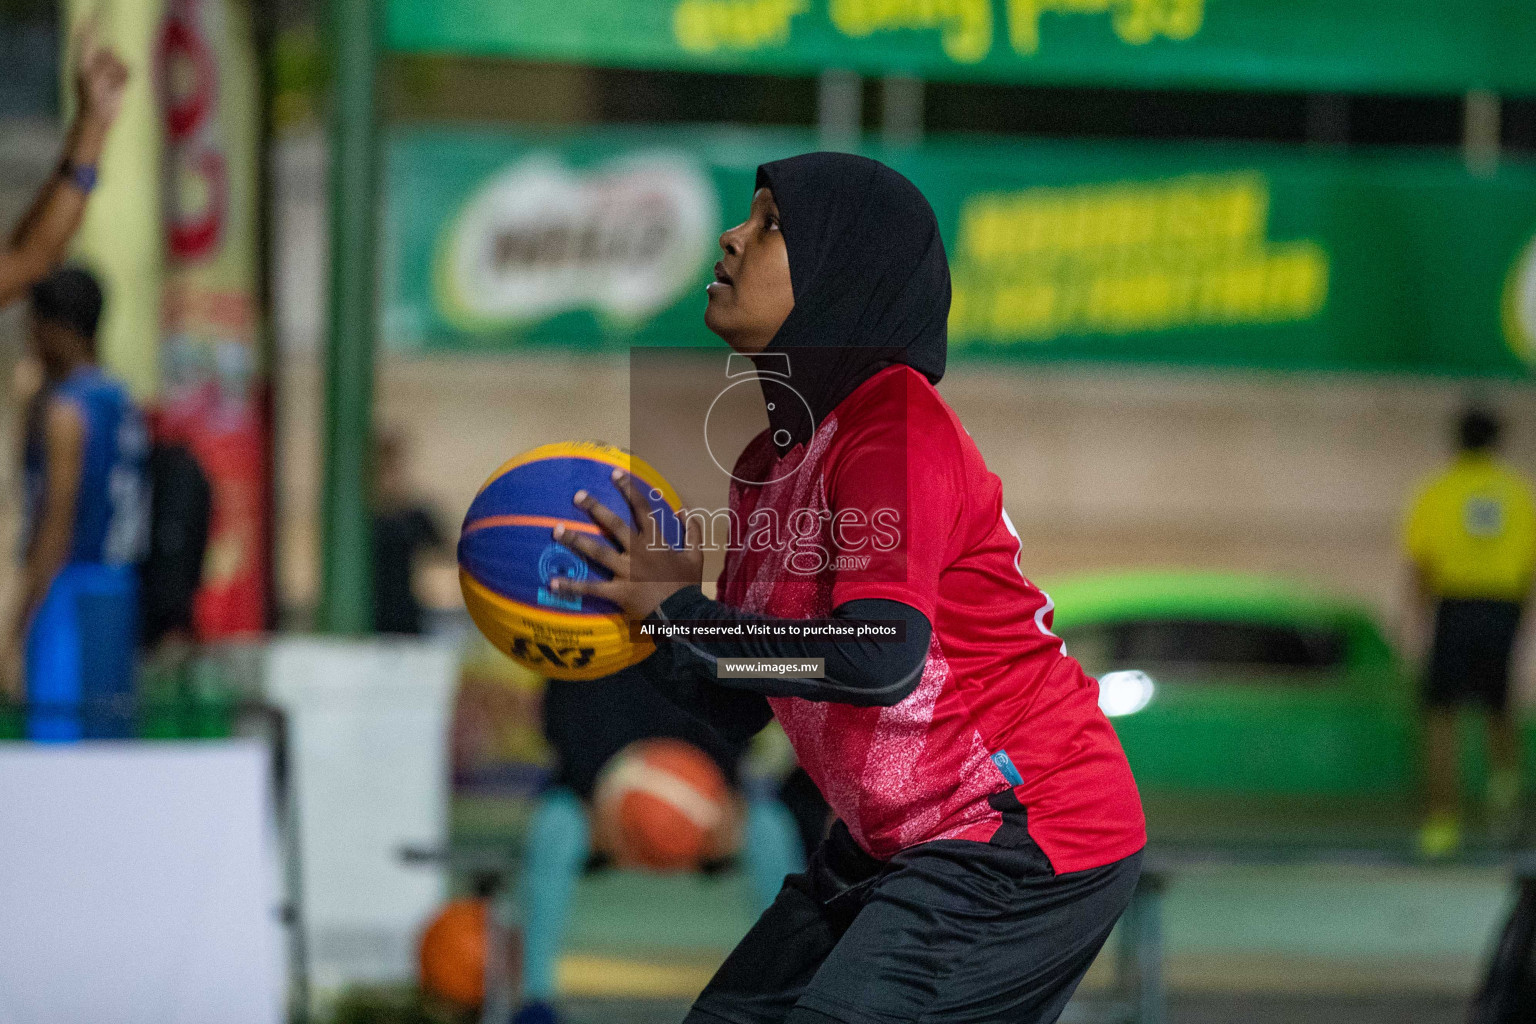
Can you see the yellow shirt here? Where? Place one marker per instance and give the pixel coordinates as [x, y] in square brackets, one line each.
[1472, 531]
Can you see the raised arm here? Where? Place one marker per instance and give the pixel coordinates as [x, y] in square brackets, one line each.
[39, 241]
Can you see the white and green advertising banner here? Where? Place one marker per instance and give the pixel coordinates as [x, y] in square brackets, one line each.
[1193, 254]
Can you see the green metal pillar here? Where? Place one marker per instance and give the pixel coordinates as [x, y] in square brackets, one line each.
[345, 552]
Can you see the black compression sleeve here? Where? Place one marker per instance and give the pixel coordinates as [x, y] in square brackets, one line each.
[866, 672]
[737, 715]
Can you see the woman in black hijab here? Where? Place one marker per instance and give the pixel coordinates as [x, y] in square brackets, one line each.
[989, 831]
[873, 283]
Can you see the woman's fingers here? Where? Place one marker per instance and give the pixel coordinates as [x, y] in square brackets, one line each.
[645, 523]
[609, 590]
[617, 529]
[588, 547]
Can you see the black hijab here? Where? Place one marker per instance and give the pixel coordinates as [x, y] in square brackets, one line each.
[870, 278]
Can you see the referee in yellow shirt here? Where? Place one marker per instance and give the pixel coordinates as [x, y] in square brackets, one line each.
[1471, 536]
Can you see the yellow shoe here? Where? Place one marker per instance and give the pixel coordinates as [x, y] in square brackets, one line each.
[1440, 836]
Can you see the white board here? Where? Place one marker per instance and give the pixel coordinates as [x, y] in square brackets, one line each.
[139, 884]
[368, 725]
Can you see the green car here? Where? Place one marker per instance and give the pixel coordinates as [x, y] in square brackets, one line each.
[1234, 684]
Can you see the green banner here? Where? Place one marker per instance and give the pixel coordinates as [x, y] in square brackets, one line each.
[1191, 254]
[1346, 45]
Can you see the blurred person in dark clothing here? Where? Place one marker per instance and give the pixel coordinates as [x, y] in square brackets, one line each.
[38, 242]
[404, 527]
[588, 722]
[172, 572]
[170, 698]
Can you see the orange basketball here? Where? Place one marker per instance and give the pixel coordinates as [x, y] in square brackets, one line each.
[662, 804]
[453, 953]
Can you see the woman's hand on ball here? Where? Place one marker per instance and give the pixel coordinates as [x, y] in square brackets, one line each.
[646, 569]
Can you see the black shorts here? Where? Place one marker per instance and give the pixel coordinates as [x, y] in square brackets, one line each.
[1469, 663]
[946, 932]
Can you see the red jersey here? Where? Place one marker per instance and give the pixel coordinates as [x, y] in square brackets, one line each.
[891, 499]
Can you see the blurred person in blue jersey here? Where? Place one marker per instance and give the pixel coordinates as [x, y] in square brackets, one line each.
[75, 627]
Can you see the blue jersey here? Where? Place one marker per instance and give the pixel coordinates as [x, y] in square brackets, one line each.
[112, 505]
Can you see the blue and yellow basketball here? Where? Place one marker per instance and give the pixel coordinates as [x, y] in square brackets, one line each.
[508, 555]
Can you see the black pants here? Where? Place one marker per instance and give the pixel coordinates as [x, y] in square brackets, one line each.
[1469, 663]
[949, 931]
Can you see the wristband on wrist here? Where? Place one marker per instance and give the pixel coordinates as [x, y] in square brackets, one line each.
[82, 176]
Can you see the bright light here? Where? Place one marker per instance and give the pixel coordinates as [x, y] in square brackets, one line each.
[1125, 692]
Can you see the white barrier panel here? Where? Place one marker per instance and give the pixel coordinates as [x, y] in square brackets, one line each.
[139, 884]
[368, 726]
